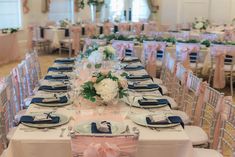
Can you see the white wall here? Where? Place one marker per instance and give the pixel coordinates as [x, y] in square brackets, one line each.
[183, 11]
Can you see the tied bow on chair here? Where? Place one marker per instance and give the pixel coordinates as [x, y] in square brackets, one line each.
[121, 49]
[91, 30]
[185, 51]
[151, 65]
[219, 79]
[76, 38]
[137, 27]
[102, 150]
[107, 28]
[30, 37]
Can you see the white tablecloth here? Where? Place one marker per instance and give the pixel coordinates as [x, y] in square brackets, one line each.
[28, 142]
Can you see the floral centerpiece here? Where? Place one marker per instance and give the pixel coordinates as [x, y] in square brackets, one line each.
[64, 23]
[108, 52]
[10, 30]
[105, 86]
[95, 2]
[200, 23]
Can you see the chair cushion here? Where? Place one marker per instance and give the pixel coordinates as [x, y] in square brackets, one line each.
[182, 115]
[157, 81]
[200, 152]
[197, 135]
[11, 133]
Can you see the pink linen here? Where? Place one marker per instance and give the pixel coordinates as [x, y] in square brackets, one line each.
[201, 99]
[123, 27]
[76, 38]
[9, 48]
[137, 28]
[30, 37]
[219, 52]
[150, 50]
[224, 115]
[184, 50]
[107, 28]
[102, 150]
[121, 46]
[90, 30]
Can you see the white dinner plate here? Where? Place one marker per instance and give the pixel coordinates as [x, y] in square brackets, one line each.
[140, 119]
[63, 120]
[54, 104]
[85, 127]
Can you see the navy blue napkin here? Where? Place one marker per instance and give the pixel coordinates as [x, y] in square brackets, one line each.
[57, 77]
[147, 86]
[94, 129]
[41, 32]
[83, 30]
[45, 87]
[133, 68]
[131, 60]
[65, 61]
[138, 77]
[172, 119]
[61, 100]
[61, 69]
[154, 103]
[128, 52]
[30, 119]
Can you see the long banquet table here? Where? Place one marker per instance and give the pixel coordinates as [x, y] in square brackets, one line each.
[31, 142]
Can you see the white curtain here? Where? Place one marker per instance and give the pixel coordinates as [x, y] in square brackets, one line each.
[10, 14]
[140, 10]
[60, 10]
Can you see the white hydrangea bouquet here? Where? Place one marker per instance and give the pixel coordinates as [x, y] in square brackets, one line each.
[108, 52]
[64, 23]
[105, 86]
[200, 23]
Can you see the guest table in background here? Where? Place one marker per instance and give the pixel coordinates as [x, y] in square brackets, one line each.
[9, 48]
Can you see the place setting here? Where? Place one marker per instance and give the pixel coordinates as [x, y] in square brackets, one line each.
[54, 86]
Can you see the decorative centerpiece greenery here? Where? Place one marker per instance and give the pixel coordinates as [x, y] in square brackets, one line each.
[108, 52]
[194, 41]
[10, 30]
[200, 23]
[95, 2]
[207, 43]
[105, 86]
[64, 23]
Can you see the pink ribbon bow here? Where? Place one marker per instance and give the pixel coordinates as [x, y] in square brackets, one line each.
[107, 28]
[76, 38]
[30, 37]
[137, 27]
[102, 150]
[185, 50]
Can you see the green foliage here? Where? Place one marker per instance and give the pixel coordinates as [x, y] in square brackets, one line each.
[207, 43]
[88, 91]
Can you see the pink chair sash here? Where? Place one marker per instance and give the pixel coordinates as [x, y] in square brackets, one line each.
[30, 38]
[185, 50]
[224, 113]
[107, 28]
[219, 52]
[121, 46]
[123, 27]
[102, 150]
[150, 50]
[137, 27]
[90, 30]
[76, 38]
[201, 97]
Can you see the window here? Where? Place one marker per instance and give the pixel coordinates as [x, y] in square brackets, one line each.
[61, 10]
[10, 14]
[139, 9]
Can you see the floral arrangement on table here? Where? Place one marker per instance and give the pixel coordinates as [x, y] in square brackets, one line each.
[10, 30]
[108, 52]
[222, 43]
[64, 23]
[105, 86]
[200, 23]
[95, 2]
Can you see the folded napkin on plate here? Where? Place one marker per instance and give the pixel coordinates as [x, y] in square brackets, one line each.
[143, 86]
[47, 87]
[40, 119]
[65, 61]
[125, 60]
[61, 69]
[129, 67]
[103, 127]
[128, 52]
[57, 77]
[151, 120]
[138, 76]
[51, 100]
[153, 102]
